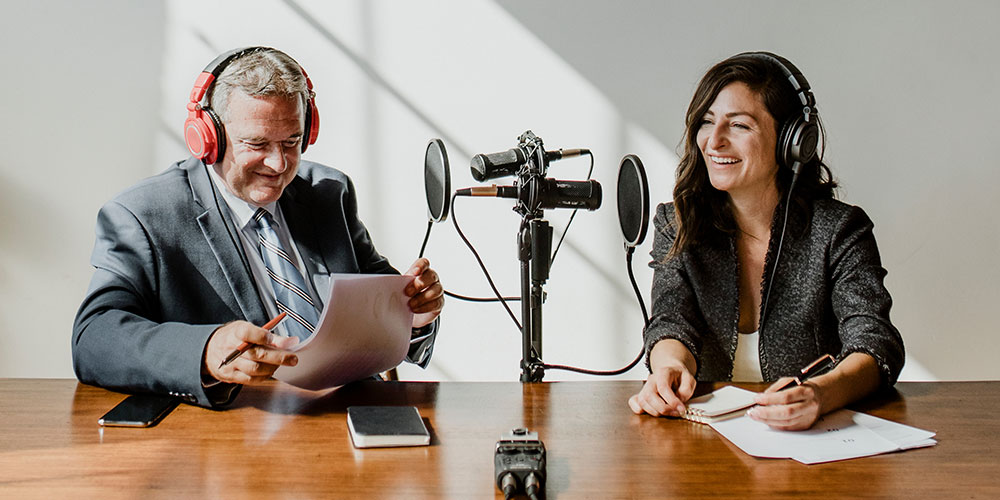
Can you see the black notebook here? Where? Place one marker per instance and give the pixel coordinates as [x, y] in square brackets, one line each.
[382, 426]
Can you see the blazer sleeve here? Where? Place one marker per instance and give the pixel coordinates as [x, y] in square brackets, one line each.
[119, 340]
[674, 314]
[860, 300]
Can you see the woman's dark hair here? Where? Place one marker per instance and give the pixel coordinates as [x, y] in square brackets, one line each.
[704, 213]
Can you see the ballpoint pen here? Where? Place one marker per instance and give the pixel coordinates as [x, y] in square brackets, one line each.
[246, 345]
[816, 367]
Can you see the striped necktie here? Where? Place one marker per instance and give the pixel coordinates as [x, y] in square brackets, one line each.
[289, 287]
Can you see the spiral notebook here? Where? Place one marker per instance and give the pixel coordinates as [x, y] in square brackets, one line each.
[722, 404]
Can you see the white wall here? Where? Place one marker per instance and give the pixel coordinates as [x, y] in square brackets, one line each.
[80, 99]
[94, 94]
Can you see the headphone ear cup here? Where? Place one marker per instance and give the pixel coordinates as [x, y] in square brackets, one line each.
[311, 125]
[200, 135]
[219, 135]
[797, 142]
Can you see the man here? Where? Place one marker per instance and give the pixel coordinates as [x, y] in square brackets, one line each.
[183, 271]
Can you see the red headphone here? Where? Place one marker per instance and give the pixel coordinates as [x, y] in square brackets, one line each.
[203, 131]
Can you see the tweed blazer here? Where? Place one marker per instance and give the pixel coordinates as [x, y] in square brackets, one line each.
[828, 295]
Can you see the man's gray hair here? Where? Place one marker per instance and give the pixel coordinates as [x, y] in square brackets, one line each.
[264, 72]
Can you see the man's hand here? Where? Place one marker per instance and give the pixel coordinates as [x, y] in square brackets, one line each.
[425, 292]
[255, 365]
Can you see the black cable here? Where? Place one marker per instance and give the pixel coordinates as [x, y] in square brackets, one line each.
[427, 236]
[572, 215]
[777, 255]
[454, 220]
[635, 288]
[645, 318]
[508, 486]
[532, 486]
[480, 299]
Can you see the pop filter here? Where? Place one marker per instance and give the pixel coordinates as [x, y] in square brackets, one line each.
[437, 186]
[437, 180]
[633, 200]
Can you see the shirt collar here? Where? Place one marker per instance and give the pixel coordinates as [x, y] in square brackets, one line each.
[241, 210]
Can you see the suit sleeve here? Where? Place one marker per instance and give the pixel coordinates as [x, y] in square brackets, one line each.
[119, 339]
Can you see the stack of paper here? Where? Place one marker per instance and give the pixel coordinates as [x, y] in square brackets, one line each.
[363, 330]
[840, 435]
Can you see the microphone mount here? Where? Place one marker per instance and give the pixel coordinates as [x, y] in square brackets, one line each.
[534, 193]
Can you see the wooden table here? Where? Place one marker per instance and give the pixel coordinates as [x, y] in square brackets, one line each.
[279, 442]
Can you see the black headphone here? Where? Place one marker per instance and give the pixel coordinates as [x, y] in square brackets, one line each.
[203, 131]
[797, 145]
[799, 136]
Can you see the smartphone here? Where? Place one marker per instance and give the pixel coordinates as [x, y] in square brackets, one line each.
[139, 410]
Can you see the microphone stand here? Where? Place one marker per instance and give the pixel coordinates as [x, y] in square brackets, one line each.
[534, 246]
[534, 242]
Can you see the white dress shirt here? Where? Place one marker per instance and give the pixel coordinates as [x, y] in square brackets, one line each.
[242, 214]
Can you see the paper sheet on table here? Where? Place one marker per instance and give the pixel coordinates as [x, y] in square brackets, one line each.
[840, 435]
[363, 330]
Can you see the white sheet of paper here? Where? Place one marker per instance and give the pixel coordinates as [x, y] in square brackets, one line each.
[363, 330]
[840, 435]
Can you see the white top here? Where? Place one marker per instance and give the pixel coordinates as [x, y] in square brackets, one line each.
[746, 363]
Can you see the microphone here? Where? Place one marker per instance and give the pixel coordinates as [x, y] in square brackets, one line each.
[550, 193]
[494, 190]
[565, 153]
[569, 194]
[493, 165]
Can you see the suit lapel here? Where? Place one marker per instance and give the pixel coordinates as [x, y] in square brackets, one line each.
[220, 235]
[302, 225]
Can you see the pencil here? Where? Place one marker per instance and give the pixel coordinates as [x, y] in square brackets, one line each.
[246, 345]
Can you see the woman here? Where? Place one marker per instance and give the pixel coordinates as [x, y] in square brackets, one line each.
[746, 290]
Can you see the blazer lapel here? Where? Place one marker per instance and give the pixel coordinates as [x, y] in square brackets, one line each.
[302, 226]
[220, 235]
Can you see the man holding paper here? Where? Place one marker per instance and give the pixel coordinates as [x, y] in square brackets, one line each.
[188, 262]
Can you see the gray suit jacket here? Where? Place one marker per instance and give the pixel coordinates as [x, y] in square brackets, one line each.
[170, 269]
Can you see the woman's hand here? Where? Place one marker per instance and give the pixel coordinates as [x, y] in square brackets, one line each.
[799, 407]
[671, 382]
[794, 409]
[665, 391]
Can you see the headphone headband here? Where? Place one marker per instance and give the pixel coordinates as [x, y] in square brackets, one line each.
[792, 74]
[215, 68]
[798, 137]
